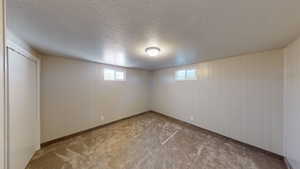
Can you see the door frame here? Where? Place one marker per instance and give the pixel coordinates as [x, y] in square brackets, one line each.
[3, 114]
[11, 46]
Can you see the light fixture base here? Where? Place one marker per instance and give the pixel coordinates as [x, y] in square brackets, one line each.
[152, 51]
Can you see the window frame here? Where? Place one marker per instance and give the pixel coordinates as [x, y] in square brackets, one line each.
[182, 78]
[185, 78]
[114, 75]
[195, 74]
[124, 75]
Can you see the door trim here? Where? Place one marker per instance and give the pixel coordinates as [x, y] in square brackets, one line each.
[3, 113]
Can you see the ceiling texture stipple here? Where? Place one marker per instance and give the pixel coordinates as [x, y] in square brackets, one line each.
[187, 31]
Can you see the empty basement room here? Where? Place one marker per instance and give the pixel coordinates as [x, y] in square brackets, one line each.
[149, 84]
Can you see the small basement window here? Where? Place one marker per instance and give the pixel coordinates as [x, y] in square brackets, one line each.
[191, 74]
[120, 76]
[111, 75]
[180, 75]
[186, 74]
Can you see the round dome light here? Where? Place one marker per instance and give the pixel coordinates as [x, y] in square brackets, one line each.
[152, 51]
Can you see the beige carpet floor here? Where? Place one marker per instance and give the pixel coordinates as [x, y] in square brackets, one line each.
[151, 141]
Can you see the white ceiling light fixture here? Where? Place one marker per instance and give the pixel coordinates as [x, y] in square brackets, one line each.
[152, 51]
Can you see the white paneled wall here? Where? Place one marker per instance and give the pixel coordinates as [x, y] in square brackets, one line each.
[239, 97]
[74, 96]
[292, 103]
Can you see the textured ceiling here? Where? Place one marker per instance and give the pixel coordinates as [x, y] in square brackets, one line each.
[187, 31]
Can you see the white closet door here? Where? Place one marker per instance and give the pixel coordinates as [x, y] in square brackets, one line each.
[23, 109]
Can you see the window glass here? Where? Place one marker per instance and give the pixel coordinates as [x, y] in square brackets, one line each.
[120, 76]
[180, 75]
[109, 74]
[186, 74]
[191, 74]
